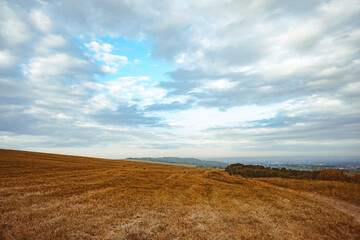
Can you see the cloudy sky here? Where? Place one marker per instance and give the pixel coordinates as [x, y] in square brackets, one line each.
[205, 78]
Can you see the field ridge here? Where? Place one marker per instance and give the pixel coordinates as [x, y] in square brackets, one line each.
[344, 206]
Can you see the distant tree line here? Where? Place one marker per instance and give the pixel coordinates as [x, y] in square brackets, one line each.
[258, 171]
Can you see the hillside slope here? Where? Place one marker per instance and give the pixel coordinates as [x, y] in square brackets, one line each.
[48, 196]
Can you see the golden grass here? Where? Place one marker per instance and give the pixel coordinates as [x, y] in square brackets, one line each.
[346, 191]
[47, 196]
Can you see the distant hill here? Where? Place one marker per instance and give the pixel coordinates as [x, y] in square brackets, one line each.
[190, 161]
[286, 160]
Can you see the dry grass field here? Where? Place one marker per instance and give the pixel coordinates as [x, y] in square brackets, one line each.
[346, 191]
[48, 196]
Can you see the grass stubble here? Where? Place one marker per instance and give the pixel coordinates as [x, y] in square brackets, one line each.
[48, 196]
[342, 190]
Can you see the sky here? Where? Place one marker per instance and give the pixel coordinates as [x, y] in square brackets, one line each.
[204, 78]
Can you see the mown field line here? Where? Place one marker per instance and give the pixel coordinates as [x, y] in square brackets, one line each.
[343, 206]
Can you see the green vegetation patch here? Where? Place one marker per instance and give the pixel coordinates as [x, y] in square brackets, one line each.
[258, 171]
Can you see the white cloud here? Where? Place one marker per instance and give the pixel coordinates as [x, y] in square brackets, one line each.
[133, 90]
[41, 20]
[112, 59]
[100, 101]
[314, 104]
[204, 118]
[50, 43]
[103, 54]
[282, 73]
[99, 48]
[7, 59]
[62, 116]
[144, 78]
[13, 29]
[108, 69]
[59, 64]
[352, 87]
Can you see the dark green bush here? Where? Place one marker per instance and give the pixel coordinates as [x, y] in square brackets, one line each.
[258, 171]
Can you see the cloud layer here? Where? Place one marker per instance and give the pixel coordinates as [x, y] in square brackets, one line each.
[247, 77]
